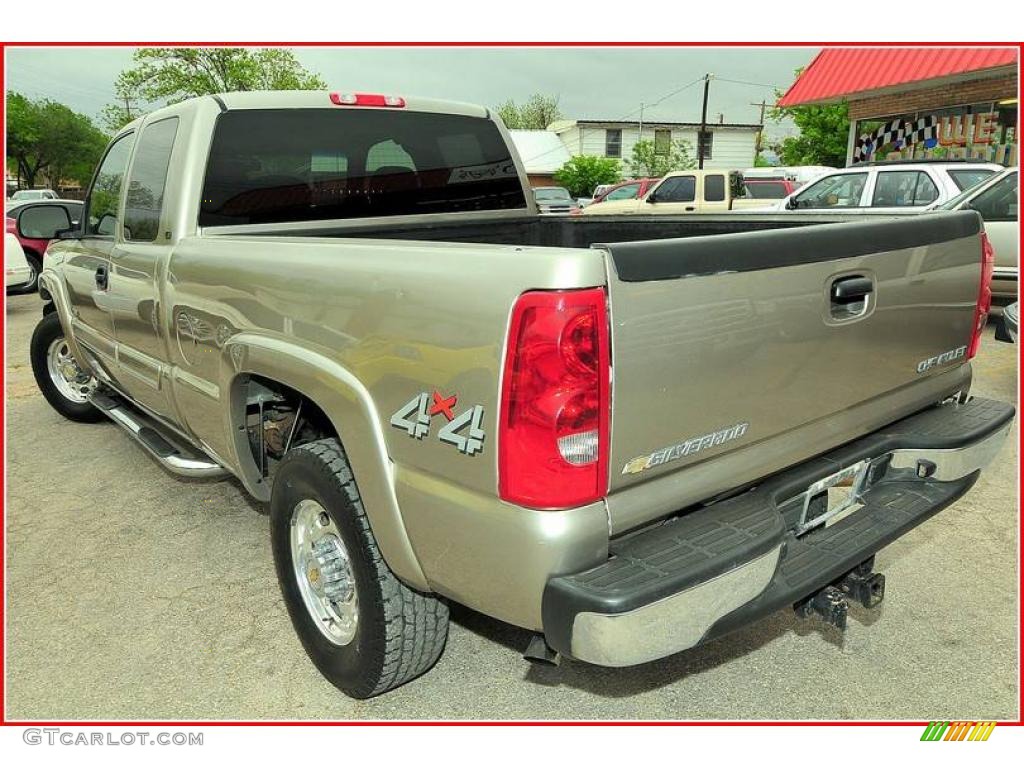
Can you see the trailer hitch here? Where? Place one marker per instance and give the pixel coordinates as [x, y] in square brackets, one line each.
[862, 585]
[832, 603]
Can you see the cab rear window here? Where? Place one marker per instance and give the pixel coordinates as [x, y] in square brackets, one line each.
[293, 165]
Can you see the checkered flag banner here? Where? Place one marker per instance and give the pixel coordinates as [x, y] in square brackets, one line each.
[899, 133]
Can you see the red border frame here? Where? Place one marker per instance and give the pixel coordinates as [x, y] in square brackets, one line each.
[4, 722]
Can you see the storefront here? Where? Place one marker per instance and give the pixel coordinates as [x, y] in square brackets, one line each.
[928, 103]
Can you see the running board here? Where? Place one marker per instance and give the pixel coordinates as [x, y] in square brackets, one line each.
[157, 440]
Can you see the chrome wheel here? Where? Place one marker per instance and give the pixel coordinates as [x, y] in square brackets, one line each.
[72, 382]
[323, 572]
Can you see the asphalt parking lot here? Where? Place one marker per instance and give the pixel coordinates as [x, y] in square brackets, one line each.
[134, 595]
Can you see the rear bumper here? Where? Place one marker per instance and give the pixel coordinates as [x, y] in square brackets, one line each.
[1004, 283]
[686, 581]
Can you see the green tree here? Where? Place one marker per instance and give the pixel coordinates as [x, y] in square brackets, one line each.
[824, 130]
[169, 75]
[47, 138]
[646, 160]
[581, 173]
[537, 113]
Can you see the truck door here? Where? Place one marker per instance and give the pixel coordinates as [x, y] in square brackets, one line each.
[87, 264]
[714, 193]
[676, 194]
[135, 262]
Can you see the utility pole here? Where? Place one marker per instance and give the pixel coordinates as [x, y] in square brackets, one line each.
[703, 123]
[759, 144]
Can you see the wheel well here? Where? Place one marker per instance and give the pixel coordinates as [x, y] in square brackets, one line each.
[279, 418]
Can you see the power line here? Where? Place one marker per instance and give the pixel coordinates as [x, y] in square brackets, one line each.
[747, 82]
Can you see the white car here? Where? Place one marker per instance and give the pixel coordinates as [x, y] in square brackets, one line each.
[16, 269]
[23, 195]
[995, 199]
[884, 187]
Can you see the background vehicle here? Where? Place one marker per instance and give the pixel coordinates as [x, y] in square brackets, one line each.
[31, 221]
[34, 194]
[767, 189]
[996, 199]
[886, 187]
[626, 190]
[1008, 324]
[798, 174]
[554, 200]
[681, 192]
[414, 370]
[17, 272]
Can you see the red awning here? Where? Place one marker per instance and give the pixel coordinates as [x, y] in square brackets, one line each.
[840, 72]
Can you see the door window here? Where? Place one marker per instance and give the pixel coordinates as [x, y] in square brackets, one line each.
[678, 189]
[903, 189]
[147, 181]
[714, 188]
[105, 194]
[837, 191]
[998, 202]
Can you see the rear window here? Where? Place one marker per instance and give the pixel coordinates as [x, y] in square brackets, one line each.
[275, 166]
[967, 178]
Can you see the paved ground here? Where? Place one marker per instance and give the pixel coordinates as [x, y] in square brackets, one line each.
[132, 594]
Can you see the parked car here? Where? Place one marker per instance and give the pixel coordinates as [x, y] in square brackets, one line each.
[555, 201]
[886, 187]
[417, 378]
[626, 190]
[598, 192]
[682, 192]
[767, 188]
[995, 198]
[1007, 329]
[29, 221]
[798, 174]
[34, 194]
[17, 272]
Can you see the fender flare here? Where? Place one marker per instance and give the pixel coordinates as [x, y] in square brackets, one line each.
[349, 406]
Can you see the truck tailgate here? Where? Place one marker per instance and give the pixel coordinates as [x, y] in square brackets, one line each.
[720, 343]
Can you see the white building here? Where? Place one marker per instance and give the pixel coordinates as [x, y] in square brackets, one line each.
[727, 146]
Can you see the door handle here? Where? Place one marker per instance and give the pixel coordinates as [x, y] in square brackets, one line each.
[689, 208]
[847, 290]
[102, 277]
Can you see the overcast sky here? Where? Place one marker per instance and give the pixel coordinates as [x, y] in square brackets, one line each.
[608, 83]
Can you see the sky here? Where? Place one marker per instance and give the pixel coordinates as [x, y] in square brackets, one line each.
[601, 83]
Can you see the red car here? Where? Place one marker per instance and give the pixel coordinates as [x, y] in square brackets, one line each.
[48, 214]
[627, 190]
[769, 189]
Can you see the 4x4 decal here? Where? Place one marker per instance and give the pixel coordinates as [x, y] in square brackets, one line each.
[465, 431]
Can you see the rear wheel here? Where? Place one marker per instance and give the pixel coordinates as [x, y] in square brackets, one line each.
[63, 383]
[365, 630]
[35, 266]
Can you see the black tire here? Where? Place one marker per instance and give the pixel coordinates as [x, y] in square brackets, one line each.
[32, 286]
[46, 332]
[400, 632]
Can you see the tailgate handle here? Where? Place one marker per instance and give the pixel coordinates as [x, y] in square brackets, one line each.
[847, 290]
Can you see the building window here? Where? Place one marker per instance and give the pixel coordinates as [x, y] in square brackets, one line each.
[613, 142]
[662, 141]
[705, 139]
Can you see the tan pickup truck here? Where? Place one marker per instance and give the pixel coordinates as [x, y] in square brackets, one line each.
[629, 435]
[685, 192]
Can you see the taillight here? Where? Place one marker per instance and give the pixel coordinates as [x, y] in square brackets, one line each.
[984, 303]
[366, 100]
[555, 401]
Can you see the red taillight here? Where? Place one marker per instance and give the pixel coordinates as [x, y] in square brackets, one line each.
[555, 401]
[984, 303]
[366, 100]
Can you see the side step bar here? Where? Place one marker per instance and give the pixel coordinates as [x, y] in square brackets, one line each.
[157, 440]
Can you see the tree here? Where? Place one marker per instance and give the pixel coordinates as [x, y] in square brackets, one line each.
[824, 130]
[646, 160]
[536, 114]
[581, 173]
[46, 137]
[169, 75]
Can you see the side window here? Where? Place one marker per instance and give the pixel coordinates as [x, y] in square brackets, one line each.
[613, 142]
[147, 180]
[903, 189]
[678, 189]
[714, 188]
[836, 191]
[965, 179]
[627, 192]
[105, 194]
[998, 202]
[388, 156]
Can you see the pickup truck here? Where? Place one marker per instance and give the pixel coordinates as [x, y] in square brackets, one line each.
[686, 192]
[626, 435]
